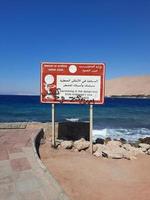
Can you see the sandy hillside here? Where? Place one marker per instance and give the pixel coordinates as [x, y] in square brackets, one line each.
[134, 85]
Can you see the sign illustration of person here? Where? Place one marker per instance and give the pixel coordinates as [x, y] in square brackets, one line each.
[50, 87]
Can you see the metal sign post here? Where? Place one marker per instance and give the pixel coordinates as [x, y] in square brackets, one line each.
[53, 125]
[91, 128]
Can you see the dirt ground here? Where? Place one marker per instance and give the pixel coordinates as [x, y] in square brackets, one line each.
[85, 177]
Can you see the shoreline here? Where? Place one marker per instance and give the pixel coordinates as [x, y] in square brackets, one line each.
[138, 96]
[47, 128]
[129, 96]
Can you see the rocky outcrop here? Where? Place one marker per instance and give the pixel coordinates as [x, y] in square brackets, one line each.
[112, 149]
[81, 144]
[148, 152]
[145, 140]
[107, 140]
[67, 144]
[99, 151]
[99, 141]
[117, 150]
[144, 147]
[112, 144]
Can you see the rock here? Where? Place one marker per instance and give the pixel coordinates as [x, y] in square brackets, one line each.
[116, 150]
[114, 143]
[76, 150]
[114, 153]
[137, 151]
[128, 147]
[129, 156]
[144, 146]
[132, 151]
[107, 140]
[113, 150]
[143, 150]
[135, 144]
[59, 146]
[105, 155]
[98, 154]
[100, 148]
[99, 141]
[145, 140]
[67, 144]
[148, 152]
[95, 147]
[81, 144]
[123, 141]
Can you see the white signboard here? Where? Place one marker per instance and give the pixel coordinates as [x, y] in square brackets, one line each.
[79, 87]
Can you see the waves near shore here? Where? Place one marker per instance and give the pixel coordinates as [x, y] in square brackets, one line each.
[128, 134]
[127, 118]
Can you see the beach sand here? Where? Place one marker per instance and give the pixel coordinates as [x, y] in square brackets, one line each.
[85, 177]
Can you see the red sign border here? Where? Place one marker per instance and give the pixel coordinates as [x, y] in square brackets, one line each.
[74, 63]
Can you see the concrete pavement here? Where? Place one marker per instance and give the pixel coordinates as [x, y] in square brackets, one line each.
[22, 175]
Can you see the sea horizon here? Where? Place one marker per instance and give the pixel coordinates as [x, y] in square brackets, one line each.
[118, 117]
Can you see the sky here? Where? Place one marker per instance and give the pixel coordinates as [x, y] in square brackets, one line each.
[116, 32]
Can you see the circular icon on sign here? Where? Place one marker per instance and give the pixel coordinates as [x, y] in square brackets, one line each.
[72, 69]
[49, 79]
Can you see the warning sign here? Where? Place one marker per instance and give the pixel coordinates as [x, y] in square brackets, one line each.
[73, 83]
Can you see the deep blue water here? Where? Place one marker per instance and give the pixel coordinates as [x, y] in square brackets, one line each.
[117, 116]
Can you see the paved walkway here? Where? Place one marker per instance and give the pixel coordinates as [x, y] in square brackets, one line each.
[21, 177]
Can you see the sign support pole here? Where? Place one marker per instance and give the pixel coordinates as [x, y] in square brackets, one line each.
[53, 125]
[91, 128]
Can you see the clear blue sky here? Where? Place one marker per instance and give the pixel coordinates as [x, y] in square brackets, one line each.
[116, 32]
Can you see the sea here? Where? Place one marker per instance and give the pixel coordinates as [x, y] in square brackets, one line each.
[127, 118]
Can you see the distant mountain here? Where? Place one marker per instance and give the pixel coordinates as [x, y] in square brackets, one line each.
[138, 86]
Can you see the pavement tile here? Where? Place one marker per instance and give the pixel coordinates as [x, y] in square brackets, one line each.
[14, 149]
[2, 146]
[22, 175]
[27, 185]
[5, 189]
[9, 196]
[49, 193]
[16, 155]
[4, 155]
[34, 195]
[20, 164]
[6, 180]
[28, 150]
[29, 143]
[5, 169]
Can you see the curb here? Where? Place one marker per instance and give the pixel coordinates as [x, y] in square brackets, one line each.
[36, 138]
